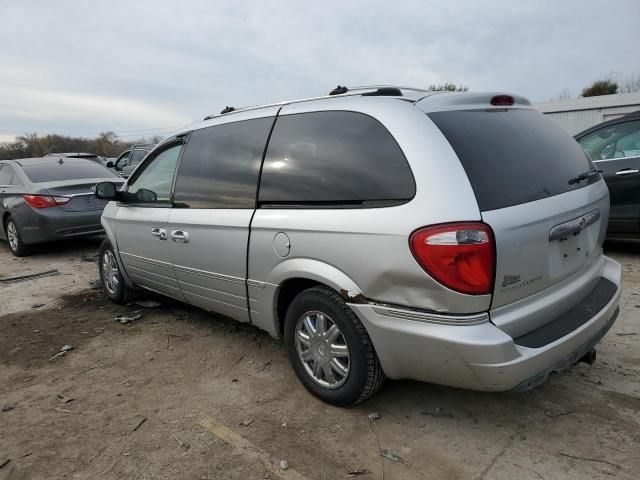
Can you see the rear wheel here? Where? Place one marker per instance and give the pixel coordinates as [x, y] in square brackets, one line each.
[329, 348]
[113, 284]
[17, 246]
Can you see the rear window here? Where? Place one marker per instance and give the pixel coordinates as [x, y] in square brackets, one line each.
[334, 159]
[513, 156]
[137, 156]
[54, 171]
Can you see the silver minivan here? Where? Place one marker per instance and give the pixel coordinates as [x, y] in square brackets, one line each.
[452, 238]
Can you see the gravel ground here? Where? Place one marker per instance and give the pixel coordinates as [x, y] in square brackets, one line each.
[181, 393]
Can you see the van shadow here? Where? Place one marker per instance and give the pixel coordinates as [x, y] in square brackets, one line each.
[622, 246]
[418, 405]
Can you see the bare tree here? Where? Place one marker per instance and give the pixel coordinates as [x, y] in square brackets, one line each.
[565, 94]
[631, 84]
[448, 87]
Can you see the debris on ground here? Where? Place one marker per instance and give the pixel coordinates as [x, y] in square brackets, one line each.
[64, 399]
[147, 303]
[30, 276]
[139, 424]
[372, 418]
[284, 465]
[394, 457]
[264, 366]
[38, 305]
[107, 364]
[7, 407]
[89, 258]
[559, 412]
[246, 423]
[355, 472]
[181, 444]
[63, 351]
[62, 410]
[626, 334]
[125, 320]
[4, 463]
[437, 412]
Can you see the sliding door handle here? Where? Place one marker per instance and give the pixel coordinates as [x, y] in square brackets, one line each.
[161, 233]
[180, 236]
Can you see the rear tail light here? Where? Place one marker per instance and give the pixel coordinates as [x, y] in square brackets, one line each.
[458, 255]
[503, 100]
[43, 201]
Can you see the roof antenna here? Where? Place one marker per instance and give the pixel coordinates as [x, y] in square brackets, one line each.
[227, 109]
[339, 90]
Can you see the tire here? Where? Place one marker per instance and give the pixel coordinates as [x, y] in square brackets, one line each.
[113, 284]
[16, 245]
[325, 352]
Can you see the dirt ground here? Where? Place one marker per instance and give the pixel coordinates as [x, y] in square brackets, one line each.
[182, 394]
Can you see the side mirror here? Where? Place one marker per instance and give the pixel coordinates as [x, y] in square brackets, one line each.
[110, 164]
[106, 191]
[145, 195]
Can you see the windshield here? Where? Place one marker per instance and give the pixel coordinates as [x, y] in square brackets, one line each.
[55, 171]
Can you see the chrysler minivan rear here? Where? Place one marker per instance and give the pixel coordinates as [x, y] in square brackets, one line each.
[537, 252]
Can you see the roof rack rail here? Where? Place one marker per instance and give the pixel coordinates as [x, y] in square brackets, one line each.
[226, 109]
[384, 92]
[339, 90]
[372, 90]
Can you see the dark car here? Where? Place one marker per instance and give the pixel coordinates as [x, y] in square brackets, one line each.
[46, 199]
[88, 156]
[129, 160]
[614, 147]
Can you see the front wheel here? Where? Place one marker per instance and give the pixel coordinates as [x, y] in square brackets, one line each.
[113, 284]
[330, 349]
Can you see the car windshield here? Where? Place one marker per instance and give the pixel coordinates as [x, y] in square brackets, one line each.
[56, 171]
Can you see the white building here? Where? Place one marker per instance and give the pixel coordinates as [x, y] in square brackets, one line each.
[579, 114]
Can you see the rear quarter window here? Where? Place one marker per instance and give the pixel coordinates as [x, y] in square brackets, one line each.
[513, 156]
[334, 158]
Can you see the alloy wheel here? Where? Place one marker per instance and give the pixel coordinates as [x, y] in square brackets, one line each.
[110, 272]
[12, 234]
[322, 349]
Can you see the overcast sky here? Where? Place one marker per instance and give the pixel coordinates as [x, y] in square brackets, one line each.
[145, 67]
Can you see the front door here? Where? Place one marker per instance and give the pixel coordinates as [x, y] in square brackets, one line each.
[615, 150]
[141, 225]
[214, 200]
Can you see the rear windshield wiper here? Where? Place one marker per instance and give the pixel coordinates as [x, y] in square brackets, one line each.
[584, 176]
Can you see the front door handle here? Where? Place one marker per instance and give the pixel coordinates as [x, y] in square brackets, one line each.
[628, 171]
[180, 236]
[161, 233]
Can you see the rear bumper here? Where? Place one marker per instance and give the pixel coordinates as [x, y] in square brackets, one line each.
[50, 224]
[479, 356]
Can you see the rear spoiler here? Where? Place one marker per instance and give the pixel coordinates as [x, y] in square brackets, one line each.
[471, 100]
